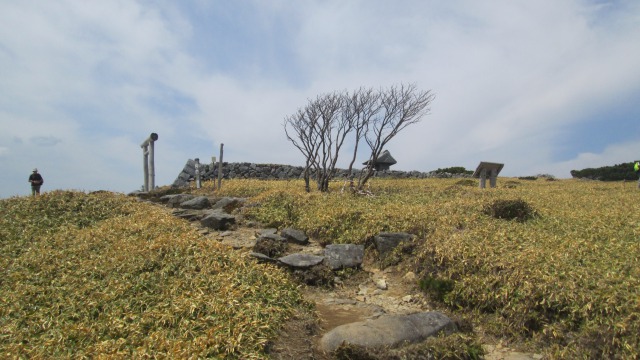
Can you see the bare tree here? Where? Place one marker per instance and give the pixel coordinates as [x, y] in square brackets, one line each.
[360, 107]
[319, 132]
[400, 106]
[320, 129]
[305, 137]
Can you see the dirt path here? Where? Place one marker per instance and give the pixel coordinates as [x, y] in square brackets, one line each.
[364, 294]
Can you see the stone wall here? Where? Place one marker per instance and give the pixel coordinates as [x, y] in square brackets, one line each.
[280, 172]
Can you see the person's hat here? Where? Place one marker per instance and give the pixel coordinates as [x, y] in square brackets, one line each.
[35, 170]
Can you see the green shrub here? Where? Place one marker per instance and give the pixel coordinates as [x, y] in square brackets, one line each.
[518, 210]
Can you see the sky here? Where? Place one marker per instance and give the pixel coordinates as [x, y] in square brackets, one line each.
[544, 86]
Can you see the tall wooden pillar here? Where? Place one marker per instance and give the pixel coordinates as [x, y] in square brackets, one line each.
[148, 162]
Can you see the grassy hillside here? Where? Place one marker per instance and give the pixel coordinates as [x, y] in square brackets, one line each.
[102, 274]
[566, 281]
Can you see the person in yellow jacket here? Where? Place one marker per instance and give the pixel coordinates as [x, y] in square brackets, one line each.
[636, 167]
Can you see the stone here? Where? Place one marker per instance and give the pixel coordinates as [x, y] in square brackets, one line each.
[386, 242]
[262, 257]
[295, 236]
[340, 256]
[175, 200]
[189, 215]
[228, 204]
[301, 260]
[388, 331]
[381, 284]
[197, 203]
[218, 220]
[274, 237]
[266, 232]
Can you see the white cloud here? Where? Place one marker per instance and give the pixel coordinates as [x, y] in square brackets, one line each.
[92, 80]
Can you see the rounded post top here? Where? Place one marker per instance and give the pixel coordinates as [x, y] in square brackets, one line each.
[154, 136]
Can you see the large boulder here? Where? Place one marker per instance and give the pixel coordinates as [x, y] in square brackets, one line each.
[388, 331]
[218, 220]
[340, 256]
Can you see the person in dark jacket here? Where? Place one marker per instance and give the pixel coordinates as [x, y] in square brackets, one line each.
[36, 181]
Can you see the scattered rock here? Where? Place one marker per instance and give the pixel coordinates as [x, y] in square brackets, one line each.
[386, 242]
[218, 220]
[274, 237]
[265, 232]
[381, 284]
[340, 256]
[228, 204]
[175, 200]
[301, 260]
[197, 203]
[262, 257]
[295, 236]
[273, 246]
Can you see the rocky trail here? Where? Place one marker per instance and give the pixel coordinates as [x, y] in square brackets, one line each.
[366, 294]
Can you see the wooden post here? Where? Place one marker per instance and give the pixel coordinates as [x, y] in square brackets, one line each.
[145, 159]
[149, 166]
[213, 167]
[220, 168]
[152, 166]
[197, 173]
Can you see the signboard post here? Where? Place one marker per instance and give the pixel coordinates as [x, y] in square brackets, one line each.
[487, 168]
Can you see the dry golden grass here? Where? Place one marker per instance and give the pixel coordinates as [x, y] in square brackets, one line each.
[566, 281]
[118, 282]
[103, 275]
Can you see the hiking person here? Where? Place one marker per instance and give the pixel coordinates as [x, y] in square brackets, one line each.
[36, 181]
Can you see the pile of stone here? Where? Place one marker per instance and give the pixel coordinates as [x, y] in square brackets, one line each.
[281, 172]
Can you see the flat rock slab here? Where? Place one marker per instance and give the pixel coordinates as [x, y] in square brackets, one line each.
[387, 331]
[301, 260]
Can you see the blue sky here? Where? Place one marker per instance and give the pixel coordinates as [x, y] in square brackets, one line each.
[541, 86]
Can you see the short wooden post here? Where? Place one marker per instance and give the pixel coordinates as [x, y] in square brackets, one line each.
[213, 167]
[149, 165]
[220, 168]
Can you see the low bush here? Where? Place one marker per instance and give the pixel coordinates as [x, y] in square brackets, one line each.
[517, 209]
